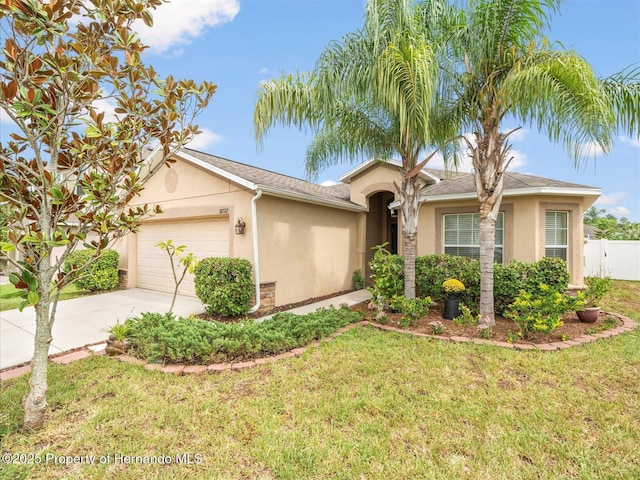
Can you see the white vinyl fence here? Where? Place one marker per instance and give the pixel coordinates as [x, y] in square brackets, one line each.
[618, 259]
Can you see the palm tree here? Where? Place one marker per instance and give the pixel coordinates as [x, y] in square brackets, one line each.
[506, 68]
[371, 94]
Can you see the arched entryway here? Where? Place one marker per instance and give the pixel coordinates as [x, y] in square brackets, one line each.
[382, 225]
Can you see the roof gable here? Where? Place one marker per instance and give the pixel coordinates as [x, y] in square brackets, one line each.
[254, 178]
[425, 173]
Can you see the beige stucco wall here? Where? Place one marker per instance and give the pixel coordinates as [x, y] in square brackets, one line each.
[187, 192]
[308, 250]
[377, 178]
[524, 227]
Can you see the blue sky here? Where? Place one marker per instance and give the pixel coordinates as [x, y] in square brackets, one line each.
[236, 44]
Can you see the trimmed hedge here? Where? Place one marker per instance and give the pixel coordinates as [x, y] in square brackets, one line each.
[224, 285]
[433, 270]
[102, 274]
[508, 280]
[161, 337]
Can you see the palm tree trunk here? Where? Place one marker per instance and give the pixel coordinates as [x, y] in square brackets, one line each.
[487, 247]
[409, 203]
[489, 167]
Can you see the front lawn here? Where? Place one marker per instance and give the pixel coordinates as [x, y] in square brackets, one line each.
[368, 404]
[9, 295]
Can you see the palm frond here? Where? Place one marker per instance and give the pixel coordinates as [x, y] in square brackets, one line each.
[355, 132]
[559, 93]
[289, 100]
[623, 91]
[405, 83]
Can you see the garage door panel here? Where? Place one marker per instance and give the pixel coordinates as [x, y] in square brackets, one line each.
[203, 238]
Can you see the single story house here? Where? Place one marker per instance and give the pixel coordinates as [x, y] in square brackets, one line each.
[305, 240]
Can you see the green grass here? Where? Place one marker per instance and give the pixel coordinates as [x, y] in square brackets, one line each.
[9, 295]
[369, 404]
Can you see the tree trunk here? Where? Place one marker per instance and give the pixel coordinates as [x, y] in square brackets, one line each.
[35, 402]
[409, 203]
[489, 164]
[487, 248]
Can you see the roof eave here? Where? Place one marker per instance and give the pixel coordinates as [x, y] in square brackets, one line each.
[281, 193]
[218, 171]
[273, 191]
[568, 191]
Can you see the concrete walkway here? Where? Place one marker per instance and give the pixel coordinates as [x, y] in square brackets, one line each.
[82, 321]
[85, 320]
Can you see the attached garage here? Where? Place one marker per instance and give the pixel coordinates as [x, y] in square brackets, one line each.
[202, 237]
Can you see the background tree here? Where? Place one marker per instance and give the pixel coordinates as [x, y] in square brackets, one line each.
[506, 68]
[69, 174]
[610, 227]
[372, 94]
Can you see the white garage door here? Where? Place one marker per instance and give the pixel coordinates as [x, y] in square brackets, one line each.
[203, 238]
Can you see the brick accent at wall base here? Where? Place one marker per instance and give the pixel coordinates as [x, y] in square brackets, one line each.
[267, 297]
[123, 278]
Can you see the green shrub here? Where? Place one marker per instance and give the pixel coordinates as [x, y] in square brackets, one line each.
[224, 285]
[540, 311]
[162, 337]
[597, 287]
[101, 274]
[411, 309]
[466, 318]
[510, 279]
[433, 270]
[387, 275]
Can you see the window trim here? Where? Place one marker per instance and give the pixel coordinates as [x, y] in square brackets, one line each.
[501, 246]
[566, 247]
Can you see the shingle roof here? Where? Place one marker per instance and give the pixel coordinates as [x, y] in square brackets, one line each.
[451, 183]
[264, 178]
[459, 183]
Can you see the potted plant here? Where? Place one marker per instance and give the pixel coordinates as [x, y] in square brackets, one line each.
[358, 280]
[597, 287]
[452, 288]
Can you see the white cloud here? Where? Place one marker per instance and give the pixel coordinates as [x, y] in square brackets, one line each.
[634, 142]
[620, 211]
[204, 140]
[328, 183]
[180, 21]
[517, 136]
[590, 149]
[4, 118]
[610, 199]
[107, 106]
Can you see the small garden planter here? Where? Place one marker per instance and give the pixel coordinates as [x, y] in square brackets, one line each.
[597, 287]
[358, 280]
[588, 315]
[451, 307]
[452, 288]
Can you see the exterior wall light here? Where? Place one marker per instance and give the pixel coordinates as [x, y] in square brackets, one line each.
[240, 226]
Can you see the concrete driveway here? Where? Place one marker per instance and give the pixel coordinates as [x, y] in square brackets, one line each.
[83, 321]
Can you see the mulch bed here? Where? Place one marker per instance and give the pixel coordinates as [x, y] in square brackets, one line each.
[572, 327]
[264, 313]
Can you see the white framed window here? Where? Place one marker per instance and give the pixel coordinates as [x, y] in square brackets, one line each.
[556, 234]
[462, 235]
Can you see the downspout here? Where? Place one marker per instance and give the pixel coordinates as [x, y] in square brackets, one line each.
[256, 257]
